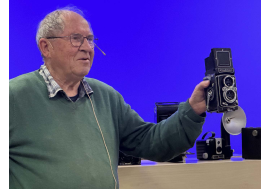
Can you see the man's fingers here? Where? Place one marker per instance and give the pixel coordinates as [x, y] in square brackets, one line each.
[204, 84]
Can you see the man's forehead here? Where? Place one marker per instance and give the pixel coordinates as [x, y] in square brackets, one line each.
[74, 22]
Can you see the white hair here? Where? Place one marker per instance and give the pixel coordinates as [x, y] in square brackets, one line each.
[53, 23]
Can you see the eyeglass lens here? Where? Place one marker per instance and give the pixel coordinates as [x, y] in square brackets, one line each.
[77, 40]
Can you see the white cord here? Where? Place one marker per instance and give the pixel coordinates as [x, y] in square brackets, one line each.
[102, 138]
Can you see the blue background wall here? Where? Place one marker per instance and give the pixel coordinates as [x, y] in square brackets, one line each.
[156, 49]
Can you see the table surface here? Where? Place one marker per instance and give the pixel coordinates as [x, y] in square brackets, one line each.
[235, 173]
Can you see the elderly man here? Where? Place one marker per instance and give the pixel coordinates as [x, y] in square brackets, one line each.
[66, 130]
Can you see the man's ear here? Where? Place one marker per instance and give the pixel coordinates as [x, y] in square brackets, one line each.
[45, 47]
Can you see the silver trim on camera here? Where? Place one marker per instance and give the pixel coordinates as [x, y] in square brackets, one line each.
[218, 145]
[233, 80]
[225, 90]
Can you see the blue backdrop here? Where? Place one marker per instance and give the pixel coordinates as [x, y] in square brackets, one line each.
[156, 50]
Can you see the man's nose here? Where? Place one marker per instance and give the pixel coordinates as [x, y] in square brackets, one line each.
[86, 46]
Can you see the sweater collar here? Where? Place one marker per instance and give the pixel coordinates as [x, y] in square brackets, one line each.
[54, 88]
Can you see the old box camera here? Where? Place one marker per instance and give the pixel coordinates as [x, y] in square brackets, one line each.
[251, 143]
[212, 148]
[221, 95]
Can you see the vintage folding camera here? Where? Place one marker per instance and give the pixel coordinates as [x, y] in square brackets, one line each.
[212, 148]
[221, 95]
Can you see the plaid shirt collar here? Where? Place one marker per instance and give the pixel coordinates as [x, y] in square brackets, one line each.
[54, 88]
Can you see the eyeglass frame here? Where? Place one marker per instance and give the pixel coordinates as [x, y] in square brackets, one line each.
[92, 43]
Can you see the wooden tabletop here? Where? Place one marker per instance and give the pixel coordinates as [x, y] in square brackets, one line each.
[235, 173]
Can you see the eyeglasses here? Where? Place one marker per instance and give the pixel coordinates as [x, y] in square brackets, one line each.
[77, 40]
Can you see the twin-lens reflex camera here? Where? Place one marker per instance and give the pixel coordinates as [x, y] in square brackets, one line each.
[221, 95]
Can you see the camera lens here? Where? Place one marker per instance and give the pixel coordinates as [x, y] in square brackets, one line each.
[230, 94]
[229, 81]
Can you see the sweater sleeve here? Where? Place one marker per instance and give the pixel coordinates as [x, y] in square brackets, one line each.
[11, 112]
[162, 141]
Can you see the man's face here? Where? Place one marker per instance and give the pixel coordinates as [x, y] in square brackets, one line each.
[67, 61]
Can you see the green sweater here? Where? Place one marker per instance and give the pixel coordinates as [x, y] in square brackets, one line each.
[56, 143]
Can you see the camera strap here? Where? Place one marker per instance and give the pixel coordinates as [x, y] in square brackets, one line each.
[213, 134]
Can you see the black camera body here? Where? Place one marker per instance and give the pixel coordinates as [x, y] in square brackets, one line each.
[221, 95]
[163, 110]
[213, 148]
[128, 160]
[251, 143]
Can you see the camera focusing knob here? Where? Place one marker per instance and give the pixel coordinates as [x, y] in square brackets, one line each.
[205, 155]
[255, 133]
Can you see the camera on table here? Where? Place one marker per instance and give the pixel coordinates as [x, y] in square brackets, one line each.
[212, 148]
[128, 160]
[221, 95]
